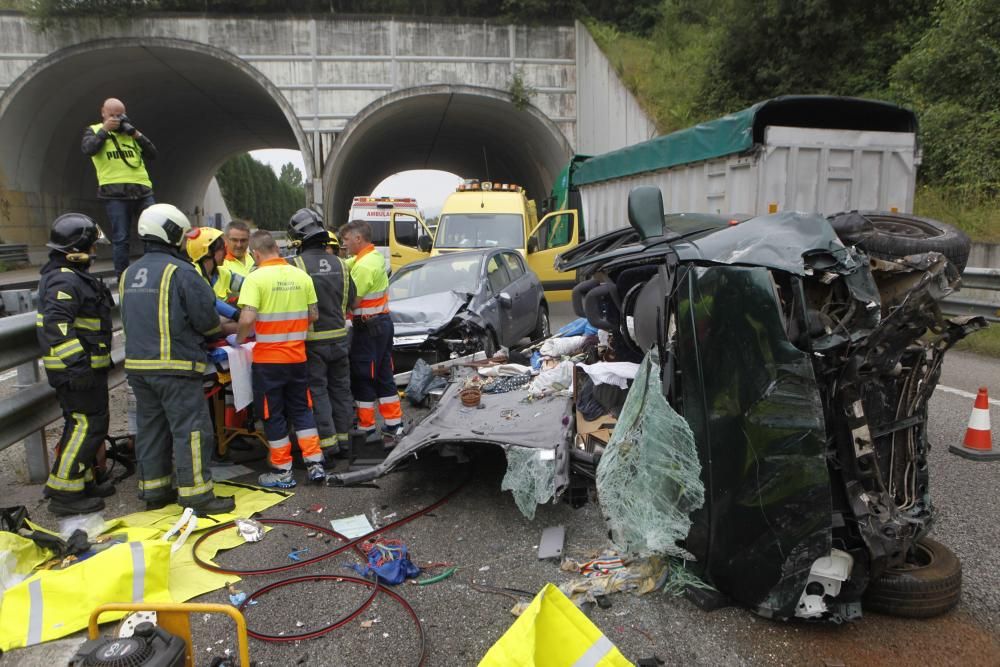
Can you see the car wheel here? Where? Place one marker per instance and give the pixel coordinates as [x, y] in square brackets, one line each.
[929, 583]
[899, 235]
[542, 329]
[488, 344]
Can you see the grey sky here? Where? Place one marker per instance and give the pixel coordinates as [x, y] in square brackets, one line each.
[430, 187]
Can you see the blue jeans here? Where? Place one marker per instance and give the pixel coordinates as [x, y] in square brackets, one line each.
[121, 213]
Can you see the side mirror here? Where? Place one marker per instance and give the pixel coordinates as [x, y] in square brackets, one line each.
[645, 211]
[505, 299]
[532, 244]
[424, 243]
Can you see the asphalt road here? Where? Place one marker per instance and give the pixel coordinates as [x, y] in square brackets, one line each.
[481, 531]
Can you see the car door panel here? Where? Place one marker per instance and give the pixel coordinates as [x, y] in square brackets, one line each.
[554, 234]
[403, 247]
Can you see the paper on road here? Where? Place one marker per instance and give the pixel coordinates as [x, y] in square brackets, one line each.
[352, 526]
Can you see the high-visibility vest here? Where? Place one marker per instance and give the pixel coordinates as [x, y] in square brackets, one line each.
[552, 632]
[281, 294]
[110, 162]
[241, 267]
[54, 603]
[372, 283]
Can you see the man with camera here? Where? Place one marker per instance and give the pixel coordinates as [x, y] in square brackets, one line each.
[119, 152]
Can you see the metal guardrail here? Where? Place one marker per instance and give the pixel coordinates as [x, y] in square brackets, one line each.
[975, 278]
[34, 405]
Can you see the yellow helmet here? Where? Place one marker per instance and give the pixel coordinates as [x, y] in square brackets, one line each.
[200, 241]
[334, 241]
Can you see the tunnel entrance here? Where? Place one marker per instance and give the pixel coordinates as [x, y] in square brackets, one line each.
[199, 106]
[470, 131]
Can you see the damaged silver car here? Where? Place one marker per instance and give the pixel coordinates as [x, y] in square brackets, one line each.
[460, 303]
[789, 362]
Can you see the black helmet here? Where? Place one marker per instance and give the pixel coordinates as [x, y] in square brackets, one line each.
[74, 232]
[305, 225]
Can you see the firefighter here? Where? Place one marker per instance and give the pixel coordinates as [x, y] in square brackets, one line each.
[326, 341]
[74, 330]
[168, 312]
[278, 301]
[371, 346]
[207, 248]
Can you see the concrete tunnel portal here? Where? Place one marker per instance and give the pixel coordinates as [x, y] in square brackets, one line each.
[199, 106]
[202, 105]
[470, 131]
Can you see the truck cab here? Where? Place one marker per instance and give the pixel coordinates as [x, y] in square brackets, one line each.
[488, 214]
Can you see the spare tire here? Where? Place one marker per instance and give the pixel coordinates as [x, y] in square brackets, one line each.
[929, 583]
[901, 234]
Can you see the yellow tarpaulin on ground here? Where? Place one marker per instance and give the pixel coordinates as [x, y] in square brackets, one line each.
[55, 603]
[552, 632]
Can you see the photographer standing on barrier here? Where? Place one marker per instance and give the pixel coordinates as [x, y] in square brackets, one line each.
[119, 152]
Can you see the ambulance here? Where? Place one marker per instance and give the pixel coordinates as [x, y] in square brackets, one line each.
[485, 214]
[409, 227]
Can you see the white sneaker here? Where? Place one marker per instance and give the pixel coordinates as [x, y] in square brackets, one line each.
[317, 473]
[280, 479]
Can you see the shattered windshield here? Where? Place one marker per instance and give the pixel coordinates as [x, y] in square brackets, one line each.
[480, 230]
[455, 273]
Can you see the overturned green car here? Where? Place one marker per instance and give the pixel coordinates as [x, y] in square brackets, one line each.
[801, 352]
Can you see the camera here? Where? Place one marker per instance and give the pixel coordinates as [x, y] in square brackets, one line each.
[125, 125]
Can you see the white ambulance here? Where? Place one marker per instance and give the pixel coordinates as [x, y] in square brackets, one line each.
[376, 211]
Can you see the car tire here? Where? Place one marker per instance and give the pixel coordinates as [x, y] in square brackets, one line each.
[489, 344]
[542, 329]
[928, 584]
[899, 235]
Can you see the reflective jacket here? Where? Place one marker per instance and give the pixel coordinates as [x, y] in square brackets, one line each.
[73, 321]
[168, 311]
[281, 294]
[334, 293]
[226, 286]
[120, 162]
[238, 267]
[371, 281]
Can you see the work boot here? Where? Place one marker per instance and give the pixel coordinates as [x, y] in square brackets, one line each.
[161, 502]
[99, 490]
[74, 503]
[213, 505]
[317, 473]
[277, 479]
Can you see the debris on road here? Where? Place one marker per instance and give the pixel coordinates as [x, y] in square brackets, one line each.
[250, 530]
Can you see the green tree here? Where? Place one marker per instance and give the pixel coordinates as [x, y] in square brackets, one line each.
[290, 175]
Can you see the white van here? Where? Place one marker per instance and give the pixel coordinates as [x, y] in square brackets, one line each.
[376, 211]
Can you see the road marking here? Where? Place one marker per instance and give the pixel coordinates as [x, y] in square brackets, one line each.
[963, 394]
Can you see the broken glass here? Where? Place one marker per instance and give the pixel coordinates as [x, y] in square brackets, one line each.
[649, 479]
[531, 477]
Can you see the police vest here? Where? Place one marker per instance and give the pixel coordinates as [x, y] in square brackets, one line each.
[119, 164]
[281, 294]
[368, 272]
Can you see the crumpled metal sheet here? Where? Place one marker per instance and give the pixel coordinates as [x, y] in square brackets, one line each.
[425, 314]
[799, 243]
[504, 420]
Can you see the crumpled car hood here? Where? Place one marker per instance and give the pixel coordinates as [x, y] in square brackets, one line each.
[425, 314]
[793, 242]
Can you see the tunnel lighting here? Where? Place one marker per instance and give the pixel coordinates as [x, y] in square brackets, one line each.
[487, 186]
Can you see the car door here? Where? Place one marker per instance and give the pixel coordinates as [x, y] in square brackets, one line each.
[497, 282]
[409, 239]
[554, 234]
[524, 295]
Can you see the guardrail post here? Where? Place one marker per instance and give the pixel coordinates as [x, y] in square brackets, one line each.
[35, 448]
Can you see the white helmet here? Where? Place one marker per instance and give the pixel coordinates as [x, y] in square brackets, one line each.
[163, 223]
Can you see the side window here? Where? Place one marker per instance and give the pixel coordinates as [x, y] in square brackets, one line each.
[407, 230]
[514, 266]
[496, 275]
[557, 231]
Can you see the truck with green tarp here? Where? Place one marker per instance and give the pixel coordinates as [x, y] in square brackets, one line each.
[810, 153]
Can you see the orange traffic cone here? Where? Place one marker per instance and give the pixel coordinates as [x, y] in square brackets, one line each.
[978, 443]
